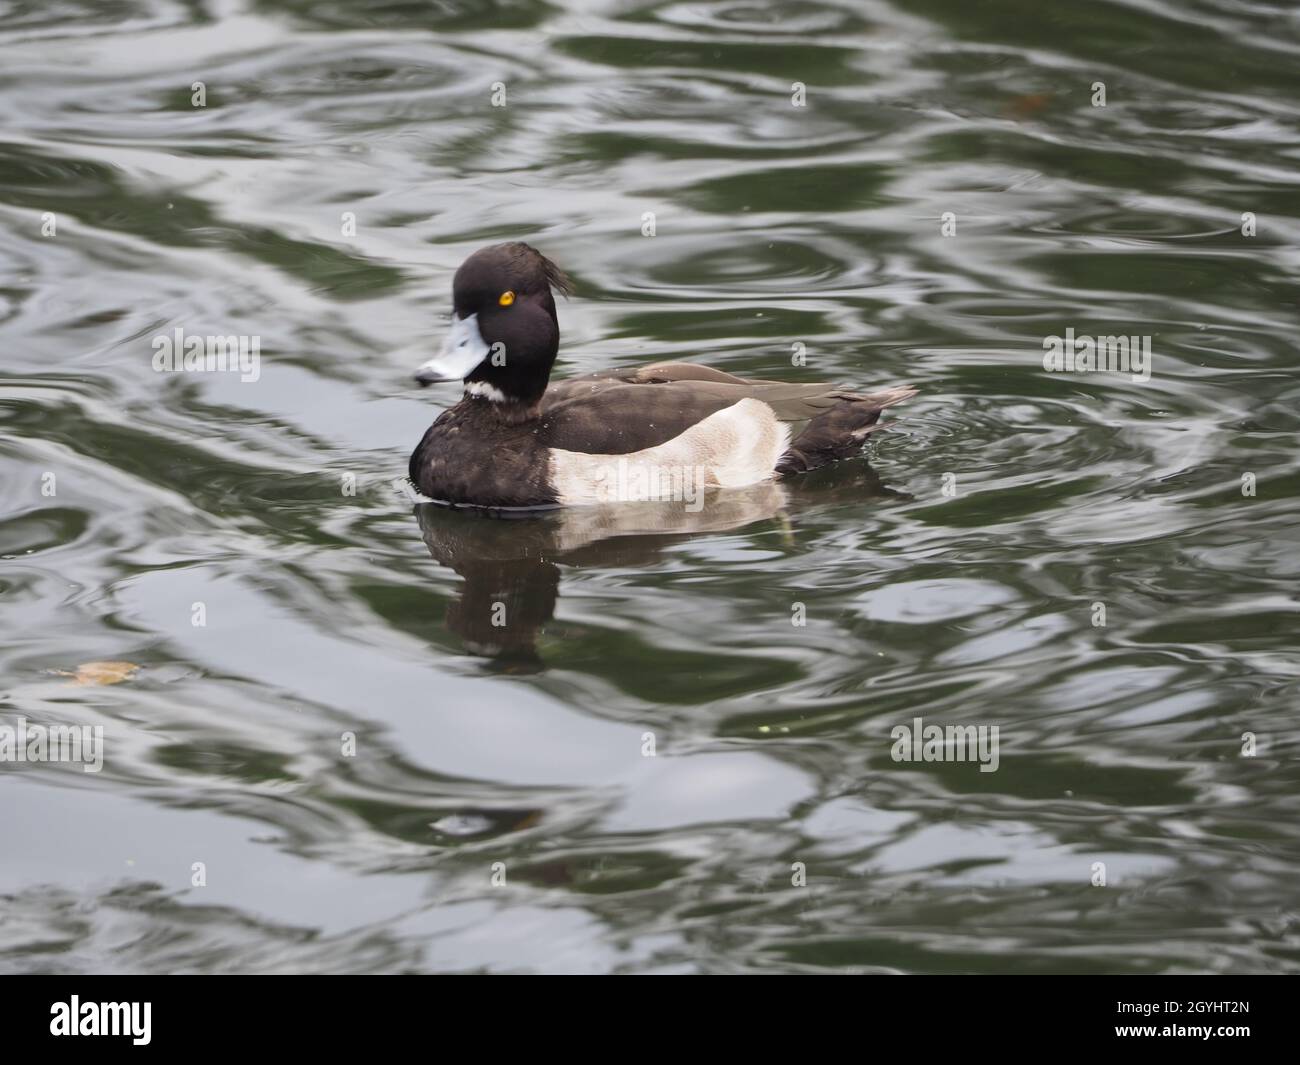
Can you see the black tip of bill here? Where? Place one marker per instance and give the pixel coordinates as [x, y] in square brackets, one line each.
[425, 378]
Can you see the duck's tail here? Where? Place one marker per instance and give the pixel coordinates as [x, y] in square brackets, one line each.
[839, 432]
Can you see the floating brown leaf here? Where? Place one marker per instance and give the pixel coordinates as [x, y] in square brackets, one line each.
[103, 672]
[1028, 105]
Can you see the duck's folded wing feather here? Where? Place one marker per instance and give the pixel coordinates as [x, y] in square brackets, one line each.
[615, 412]
[615, 418]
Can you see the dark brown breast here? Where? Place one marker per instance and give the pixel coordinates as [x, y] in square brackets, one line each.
[472, 456]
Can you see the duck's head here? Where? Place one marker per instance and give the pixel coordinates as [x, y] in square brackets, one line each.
[504, 333]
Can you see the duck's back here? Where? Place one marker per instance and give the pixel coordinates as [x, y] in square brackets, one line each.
[618, 412]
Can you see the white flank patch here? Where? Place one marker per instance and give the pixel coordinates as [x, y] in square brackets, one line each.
[734, 447]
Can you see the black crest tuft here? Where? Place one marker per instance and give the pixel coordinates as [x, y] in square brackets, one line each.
[556, 277]
[532, 263]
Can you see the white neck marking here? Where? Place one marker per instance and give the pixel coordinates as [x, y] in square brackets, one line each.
[483, 390]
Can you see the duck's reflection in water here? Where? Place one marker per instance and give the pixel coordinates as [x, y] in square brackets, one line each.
[511, 562]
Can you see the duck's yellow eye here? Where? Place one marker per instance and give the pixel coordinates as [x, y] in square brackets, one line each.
[506, 299]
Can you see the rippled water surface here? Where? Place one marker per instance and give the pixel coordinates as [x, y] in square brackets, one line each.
[252, 548]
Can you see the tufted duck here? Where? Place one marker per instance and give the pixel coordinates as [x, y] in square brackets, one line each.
[517, 440]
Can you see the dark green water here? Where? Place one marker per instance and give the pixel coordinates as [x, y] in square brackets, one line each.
[330, 613]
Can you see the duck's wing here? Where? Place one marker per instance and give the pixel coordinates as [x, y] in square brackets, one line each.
[611, 417]
[619, 411]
